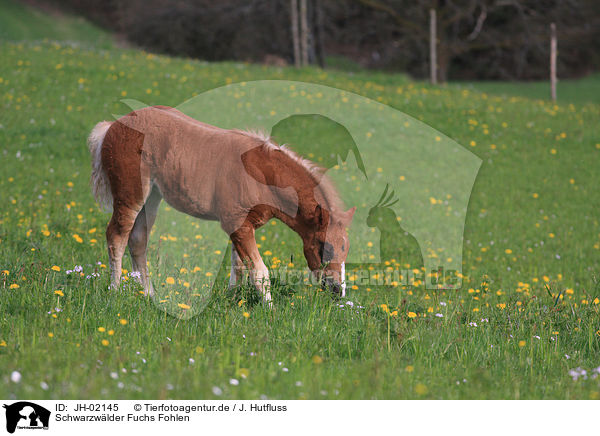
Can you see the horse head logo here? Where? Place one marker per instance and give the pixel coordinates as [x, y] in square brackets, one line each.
[26, 415]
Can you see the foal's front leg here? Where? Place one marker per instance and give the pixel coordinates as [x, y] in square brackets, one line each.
[244, 244]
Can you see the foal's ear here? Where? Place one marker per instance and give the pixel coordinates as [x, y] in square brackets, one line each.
[349, 214]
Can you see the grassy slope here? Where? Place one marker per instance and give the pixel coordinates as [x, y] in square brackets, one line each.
[51, 94]
[21, 22]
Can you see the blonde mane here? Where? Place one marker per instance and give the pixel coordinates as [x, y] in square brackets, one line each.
[317, 173]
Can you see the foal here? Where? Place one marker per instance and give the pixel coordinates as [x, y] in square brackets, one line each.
[238, 178]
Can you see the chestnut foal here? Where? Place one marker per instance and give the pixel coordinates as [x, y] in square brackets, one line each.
[239, 178]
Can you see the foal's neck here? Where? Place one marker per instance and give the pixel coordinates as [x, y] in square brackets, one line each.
[289, 171]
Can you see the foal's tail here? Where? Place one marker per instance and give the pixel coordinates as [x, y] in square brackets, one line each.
[99, 180]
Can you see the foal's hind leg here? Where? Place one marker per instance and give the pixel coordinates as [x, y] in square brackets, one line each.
[138, 240]
[245, 245]
[117, 235]
[237, 268]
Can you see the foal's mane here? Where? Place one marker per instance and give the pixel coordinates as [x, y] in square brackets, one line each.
[315, 172]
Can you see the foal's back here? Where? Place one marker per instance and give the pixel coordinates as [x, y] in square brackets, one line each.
[197, 167]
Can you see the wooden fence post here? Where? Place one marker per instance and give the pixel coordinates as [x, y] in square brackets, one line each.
[553, 61]
[432, 46]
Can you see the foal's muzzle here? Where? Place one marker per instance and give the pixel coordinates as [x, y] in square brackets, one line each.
[332, 286]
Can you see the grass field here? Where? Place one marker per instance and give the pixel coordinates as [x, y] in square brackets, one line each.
[581, 91]
[524, 325]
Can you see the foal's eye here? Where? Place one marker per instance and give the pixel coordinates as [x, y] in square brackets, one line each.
[326, 252]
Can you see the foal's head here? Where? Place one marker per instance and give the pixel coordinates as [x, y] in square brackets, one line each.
[326, 246]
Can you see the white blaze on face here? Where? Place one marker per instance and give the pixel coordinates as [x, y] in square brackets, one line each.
[343, 278]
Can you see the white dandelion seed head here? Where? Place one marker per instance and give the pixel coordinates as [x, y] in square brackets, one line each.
[15, 376]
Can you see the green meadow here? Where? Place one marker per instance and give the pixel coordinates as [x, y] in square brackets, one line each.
[524, 325]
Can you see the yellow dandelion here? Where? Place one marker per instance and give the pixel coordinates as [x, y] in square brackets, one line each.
[105, 342]
[409, 368]
[183, 306]
[420, 389]
[170, 281]
[14, 286]
[55, 268]
[522, 344]
[101, 329]
[317, 359]
[123, 321]
[412, 315]
[59, 293]
[246, 315]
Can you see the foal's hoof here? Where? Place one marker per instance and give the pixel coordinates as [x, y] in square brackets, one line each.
[149, 291]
